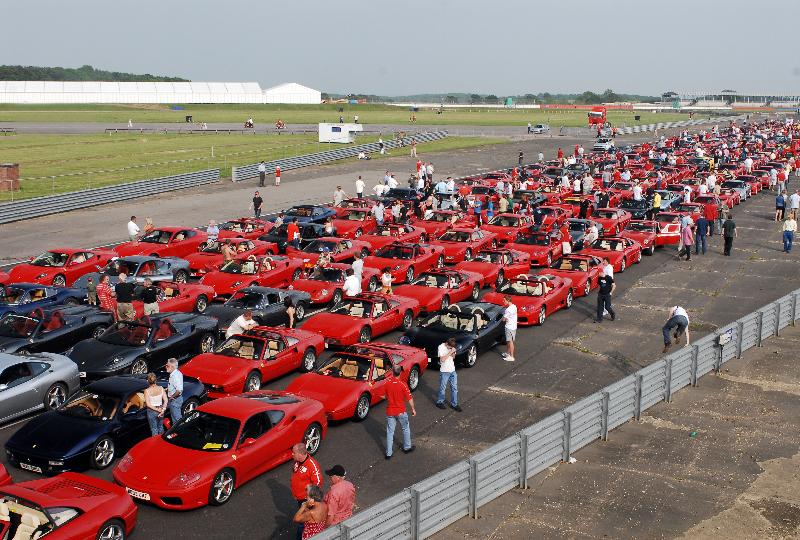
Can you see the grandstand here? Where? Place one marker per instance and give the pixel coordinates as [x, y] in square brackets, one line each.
[732, 98]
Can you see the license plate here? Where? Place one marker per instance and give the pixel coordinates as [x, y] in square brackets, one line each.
[82, 374]
[32, 468]
[138, 494]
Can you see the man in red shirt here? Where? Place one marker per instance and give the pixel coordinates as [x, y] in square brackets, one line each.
[341, 498]
[397, 393]
[293, 234]
[305, 472]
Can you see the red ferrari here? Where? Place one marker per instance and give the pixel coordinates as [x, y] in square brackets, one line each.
[173, 296]
[613, 220]
[393, 232]
[355, 223]
[645, 233]
[210, 257]
[536, 296]
[60, 266]
[359, 318]
[507, 226]
[542, 247]
[669, 224]
[438, 221]
[497, 265]
[438, 289]
[267, 271]
[350, 383]
[554, 216]
[5, 478]
[5, 279]
[621, 252]
[582, 270]
[243, 362]
[461, 243]
[164, 242]
[406, 261]
[69, 506]
[340, 250]
[244, 227]
[220, 446]
[325, 284]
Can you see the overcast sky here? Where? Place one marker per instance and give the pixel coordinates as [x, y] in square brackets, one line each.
[422, 46]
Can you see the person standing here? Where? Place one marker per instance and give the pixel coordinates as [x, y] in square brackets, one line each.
[148, 226]
[606, 287]
[386, 281]
[794, 202]
[262, 173]
[678, 321]
[351, 285]
[701, 231]
[293, 234]
[124, 293]
[91, 291]
[155, 399]
[338, 196]
[257, 202]
[360, 185]
[358, 266]
[780, 207]
[447, 374]
[429, 172]
[277, 175]
[687, 236]
[312, 516]
[133, 230]
[341, 498]
[520, 157]
[789, 228]
[212, 231]
[529, 128]
[305, 472]
[149, 296]
[729, 232]
[105, 294]
[175, 390]
[510, 319]
[290, 312]
[397, 394]
[413, 148]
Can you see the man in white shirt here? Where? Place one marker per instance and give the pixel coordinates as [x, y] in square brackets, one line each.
[591, 235]
[392, 182]
[608, 268]
[379, 189]
[748, 164]
[358, 266]
[447, 374]
[241, 324]
[262, 173]
[360, 188]
[702, 188]
[565, 183]
[420, 183]
[500, 187]
[429, 171]
[637, 192]
[352, 285]
[678, 321]
[338, 196]
[510, 318]
[379, 212]
[588, 184]
[441, 187]
[576, 185]
[451, 185]
[133, 230]
[794, 202]
[711, 181]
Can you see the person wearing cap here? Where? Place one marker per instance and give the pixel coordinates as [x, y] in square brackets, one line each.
[341, 498]
[396, 393]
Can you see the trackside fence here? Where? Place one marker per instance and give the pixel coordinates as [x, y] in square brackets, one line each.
[318, 158]
[460, 490]
[643, 128]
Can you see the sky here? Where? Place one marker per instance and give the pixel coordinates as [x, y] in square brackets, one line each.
[422, 46]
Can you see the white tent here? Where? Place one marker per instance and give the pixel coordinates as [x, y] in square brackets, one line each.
[292, 93]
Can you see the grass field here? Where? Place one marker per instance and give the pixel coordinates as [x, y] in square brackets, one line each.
[52, 164]
[266, 115]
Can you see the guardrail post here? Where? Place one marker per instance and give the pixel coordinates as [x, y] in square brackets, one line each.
[777, 318]
[760, 327]
[718, 359]
[668, 381]
[695, 354]
[637, 412]
[523, 460]
[739, 338]
[473, 488]
[414, 513]
[794, 308]
[567, 436]
[604, 416]
[345, 532]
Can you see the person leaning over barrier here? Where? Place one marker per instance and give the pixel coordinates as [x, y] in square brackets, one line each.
[679, 322]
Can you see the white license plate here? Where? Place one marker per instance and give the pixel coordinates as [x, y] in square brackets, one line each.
[32, 468]
[138, 494]
[82, 374]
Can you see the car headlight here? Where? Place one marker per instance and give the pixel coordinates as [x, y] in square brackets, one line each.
[404, 340]
[125, 463]
[115, 360]
[237, 283]
[184, 479]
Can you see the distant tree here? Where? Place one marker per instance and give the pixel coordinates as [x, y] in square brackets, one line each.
[83, 73]
[451, 99]
[475, 98]
[325, 96]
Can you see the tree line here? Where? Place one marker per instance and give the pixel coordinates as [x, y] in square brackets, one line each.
[83, 73]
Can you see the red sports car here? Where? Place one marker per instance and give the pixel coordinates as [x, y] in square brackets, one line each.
[244, 227]
[438, 221]
[645, 233]
[352, 381]
[359, 318]
[5, 478]
[393, 232]
[536, 296]
[669, 224]
[437, 289]
[497, 265]
[731, 197]
[623, 189]
[355, 223]
[554, 216]
[165, 242]
[5, 279]
[209, 257]
[266, 271]
[358, 204]
[186, 297]
[507, 226]
[573, 203]
[461, 243]
[325, 284]
[613, 220]
[754, 181]
[220, 446]
[582, 270]
[340, 250]
[406, 261]
[542, 247]
[244, 361]
[60, 266]
[69, 506]
[621, 252]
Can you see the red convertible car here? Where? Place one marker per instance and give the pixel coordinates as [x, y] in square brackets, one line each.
[60, 266]
[220, 446]
[164, 242]
[621, 252]
[542, 247]
[355, 223]
[645, 233]
[461, 244]
[325, 284]
[613, 220]
[554, 216]
[497, 265]
[536, 296]
[438, 221]
[244, 227]
[669, 224]
[340, 249]
[582, 270]
[69, 506]
[507, 226]
[267, 271]
[186, 297]
[393, 232]
[359, 318]
[209, 257]
[243, 362]
[351, 382]
[406, 261]
[438, 289]
[5, 279]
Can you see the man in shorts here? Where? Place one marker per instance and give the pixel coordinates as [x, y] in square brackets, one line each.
[510, 318]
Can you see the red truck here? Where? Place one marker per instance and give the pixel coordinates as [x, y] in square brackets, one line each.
[597, 116]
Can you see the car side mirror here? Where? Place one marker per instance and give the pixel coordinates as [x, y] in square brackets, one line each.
[247, 442]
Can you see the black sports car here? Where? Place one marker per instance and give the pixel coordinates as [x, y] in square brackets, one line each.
[306, 213]
[52, 329]
[138, 267]
[144, 345]
[638, 209]
[266, 304]
[578, 229]
[308, 233]
[25, 297]
[476, 326]
[98, 424]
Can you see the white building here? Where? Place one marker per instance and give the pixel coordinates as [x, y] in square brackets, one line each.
[339, 133]
[292, 93]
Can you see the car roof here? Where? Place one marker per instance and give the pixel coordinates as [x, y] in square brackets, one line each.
[117, 385]
[243, 406]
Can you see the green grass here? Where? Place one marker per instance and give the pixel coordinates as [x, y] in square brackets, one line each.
[51, 164]
[266, 115]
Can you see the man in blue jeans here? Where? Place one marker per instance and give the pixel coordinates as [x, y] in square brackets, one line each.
[447, 374]
[175, 390]
[397, 394]
[701, 232]
[679, 322]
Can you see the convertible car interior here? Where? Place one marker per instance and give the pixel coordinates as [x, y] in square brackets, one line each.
[348, 367]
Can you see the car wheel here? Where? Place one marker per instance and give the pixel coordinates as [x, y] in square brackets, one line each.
[501, 278]
[189, 405]
[358, 233]
[71, 301]
[365, 335]
[476, 292]
[309, 360]
[373, 284]
[253, 382]
[413, 378]
[181, 276]
[201, 304]
[139, 366]
[55, 397]
[113, 529]
[410, 274]
[408, 319]
[445, 302]
[207, 343]
[650, 251]
[468, 255]
[587, 288]
[472, 356]
[542, 315]
[297, 274]
[440, 261]
[639, 256]
[313, 438]
[364, 253]
[622, 265]
[60, 281]
[222, 488]
[337, 297]
[299, 311]
[103, 453]
[362, 408]
[568, 301]
[98, 330]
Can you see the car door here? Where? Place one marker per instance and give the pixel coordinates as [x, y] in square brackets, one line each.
[18, 393]
[253, 450]
[388, 317]
[285, 360]
[161, 271]
[183, 300]
[272, 311]
[175, 345]
[377, 376]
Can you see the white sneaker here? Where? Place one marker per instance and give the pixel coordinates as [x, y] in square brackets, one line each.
[504, 354]
[508, 358]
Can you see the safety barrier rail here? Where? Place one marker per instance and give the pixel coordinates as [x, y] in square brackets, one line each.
[55, 204]
[251, 171]
[643, 128]
[438, 501]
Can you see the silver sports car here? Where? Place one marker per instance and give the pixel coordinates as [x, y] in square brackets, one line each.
[32, 382]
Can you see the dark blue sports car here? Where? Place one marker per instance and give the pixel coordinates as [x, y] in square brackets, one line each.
[98, 424]
[308, 213]
[52, 329]
[25, 297]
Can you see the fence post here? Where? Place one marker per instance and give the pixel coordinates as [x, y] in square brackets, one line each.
[760, 327]
[473, 488]
[345, 531]
[637, 413]
[794, 308]
[695, 354]
[777, 318]
[668, 381]
[739, 338]
[414, 513]
[567, 436]
[604, 417]
[718, 352]
[523, 460]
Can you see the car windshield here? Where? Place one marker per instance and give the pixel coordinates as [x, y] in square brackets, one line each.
[578, 226]
[357, 216]
[455, 236]
[607, 214]
[665, 219]
[450, 322]
[247, 268]
[505, 221]
[396, 252]
[119, 266]
[522, 288]
[534, 240]
[236, 226]
[440, 281]
[611, 245]
[157, 237]
[241, 347]
[732, 184]
[547, 211]
[244, 300]
[301, 211]
[327, 274]
[481, 190]
[50, 258]
[580, 265]
[349, 366]
[199, 430]
[354, 308]
[126, 333]
[318, 246]
[17, 326]
[630, 203]
[490, 257]
[641, 227]
[91, 405]
[12, 295]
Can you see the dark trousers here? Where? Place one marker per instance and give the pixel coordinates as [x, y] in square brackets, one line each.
[261, 177]
[604, 304]
[257, 212]
[677, 323]
[728, 245]
[686, 250]
[788, 238]
[700, 244]
[710, 227]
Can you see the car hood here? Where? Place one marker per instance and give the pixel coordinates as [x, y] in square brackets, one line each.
[224, 282]
[483, 268]
[203, 259]
[378, 241]
[224, 314]
[130, 248]
[28, 272]
[172, 460]
[330, 391]
[216, 368]
[92, 354]
[57, 435]
[430, 339]
[333, 325]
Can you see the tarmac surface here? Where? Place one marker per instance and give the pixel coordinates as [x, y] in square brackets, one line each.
[558, 363]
